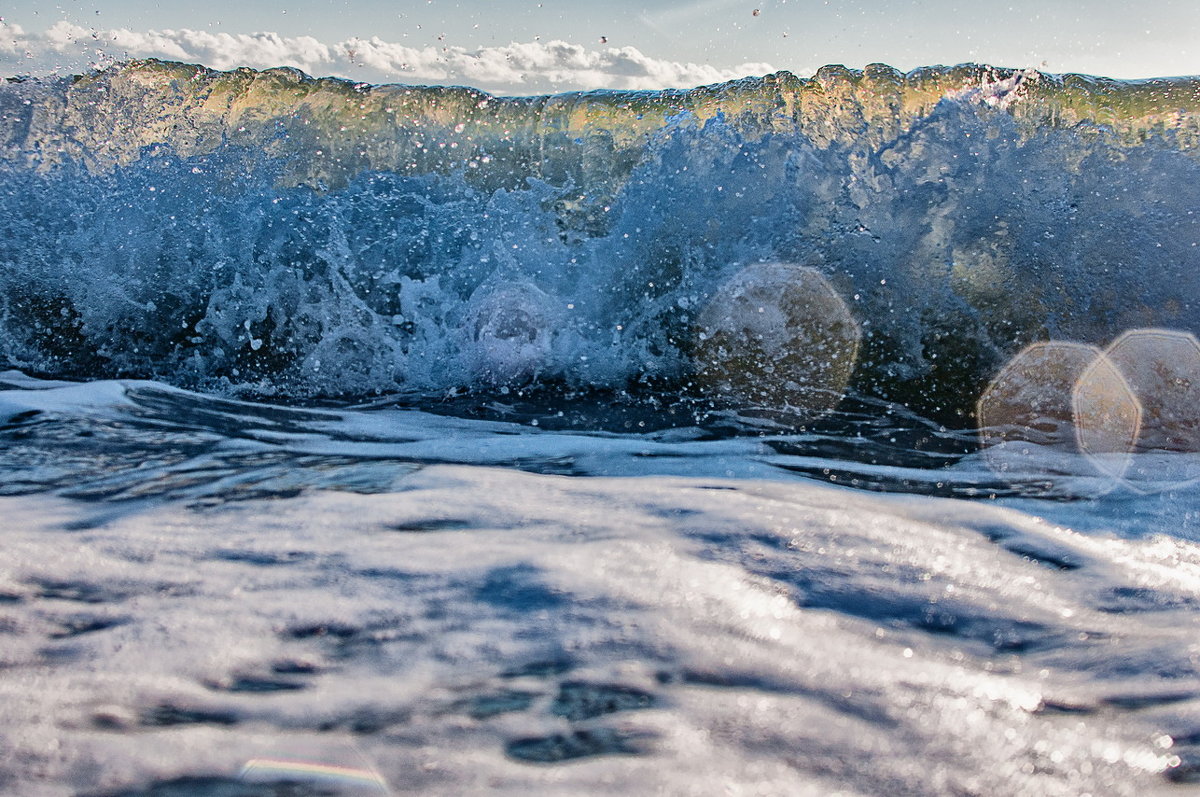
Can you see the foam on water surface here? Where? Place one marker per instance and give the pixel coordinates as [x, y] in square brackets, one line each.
[661, 633]
[245, 584]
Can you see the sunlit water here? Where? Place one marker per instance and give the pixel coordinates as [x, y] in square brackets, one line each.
[202, 596]
[379, 440]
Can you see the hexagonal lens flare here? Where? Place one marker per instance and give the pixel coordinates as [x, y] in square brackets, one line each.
[1162, 368]
[779, 335]
[1028, 415]
[511, 332]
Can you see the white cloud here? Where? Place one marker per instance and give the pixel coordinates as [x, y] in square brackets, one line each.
[218, 50]
[536, 66]
[12, 41]
[518, 67]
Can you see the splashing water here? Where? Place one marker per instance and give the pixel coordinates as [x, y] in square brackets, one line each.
[287, 260]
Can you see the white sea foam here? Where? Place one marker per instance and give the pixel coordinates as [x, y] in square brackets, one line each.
[212, 597]
[768, 636]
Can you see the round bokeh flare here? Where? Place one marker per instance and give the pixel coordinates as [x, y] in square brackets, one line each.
[1131, 410]
[1162, 368]
[777, 335]
[511, 332]
[1027, 416]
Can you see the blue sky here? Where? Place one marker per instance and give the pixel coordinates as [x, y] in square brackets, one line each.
[524, 47]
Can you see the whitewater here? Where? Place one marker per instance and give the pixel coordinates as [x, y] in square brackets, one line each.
[785, 436]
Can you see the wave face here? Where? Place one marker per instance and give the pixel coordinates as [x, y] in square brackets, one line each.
[271, 233]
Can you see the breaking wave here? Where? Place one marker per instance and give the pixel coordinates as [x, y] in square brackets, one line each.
[956, 230]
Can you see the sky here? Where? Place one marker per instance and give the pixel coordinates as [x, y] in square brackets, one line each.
[512, 47]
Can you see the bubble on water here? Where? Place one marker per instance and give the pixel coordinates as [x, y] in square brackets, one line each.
[1029, 413]
[314, 766]
[331, 779]
[1162, 369]
[780, 335]
[511, 330]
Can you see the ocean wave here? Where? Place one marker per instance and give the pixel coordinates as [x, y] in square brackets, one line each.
[267, 233]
